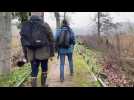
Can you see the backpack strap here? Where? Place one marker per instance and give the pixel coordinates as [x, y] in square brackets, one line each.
[31, 26]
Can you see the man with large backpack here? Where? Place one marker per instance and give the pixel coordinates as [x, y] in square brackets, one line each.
[38, 45]
[65, 41]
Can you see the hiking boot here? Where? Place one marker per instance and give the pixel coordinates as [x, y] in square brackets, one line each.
[45, 85]
[44, 80]
[34, 82]
[71, 74]
[61, 80]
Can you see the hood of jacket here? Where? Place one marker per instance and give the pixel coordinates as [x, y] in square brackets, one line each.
[36, 18]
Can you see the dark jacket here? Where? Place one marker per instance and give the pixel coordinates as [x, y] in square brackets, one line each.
[41, 53]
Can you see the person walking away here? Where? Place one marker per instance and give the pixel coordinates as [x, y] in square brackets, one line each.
[65, 41]
[38, 46]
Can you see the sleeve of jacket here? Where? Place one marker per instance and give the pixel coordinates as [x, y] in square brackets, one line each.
[21, 34]
[51, 39]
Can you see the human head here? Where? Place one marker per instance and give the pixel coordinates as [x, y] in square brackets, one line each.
[36, 14]
[65, 23]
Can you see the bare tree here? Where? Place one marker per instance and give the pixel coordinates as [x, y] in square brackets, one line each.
[22, 16]
[104, 24]
[97, 20]
[5, 40]
[65, 15]
[42, 15]
[99, 26]
[57, 16]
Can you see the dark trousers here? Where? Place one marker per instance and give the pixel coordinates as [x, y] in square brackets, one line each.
[35, 66]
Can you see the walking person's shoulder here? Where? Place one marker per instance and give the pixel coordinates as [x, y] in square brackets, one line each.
[26, 22]
[24, 27]
[69, 28]
[46, 25]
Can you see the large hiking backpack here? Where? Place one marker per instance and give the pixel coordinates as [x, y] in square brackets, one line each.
[34, 35]
[64, 39]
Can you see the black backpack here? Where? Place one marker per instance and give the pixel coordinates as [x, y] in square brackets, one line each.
[64, 39]
[34, 35]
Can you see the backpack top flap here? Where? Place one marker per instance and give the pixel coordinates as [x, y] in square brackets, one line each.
[33, 34]
[39, 35]
[64, 38]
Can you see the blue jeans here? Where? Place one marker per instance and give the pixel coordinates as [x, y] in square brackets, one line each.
[62, 62]
[35, 66]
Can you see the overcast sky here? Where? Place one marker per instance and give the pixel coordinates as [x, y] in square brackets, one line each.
[81, 20]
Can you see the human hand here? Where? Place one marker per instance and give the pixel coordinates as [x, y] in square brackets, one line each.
[58, 57]
[51, 59]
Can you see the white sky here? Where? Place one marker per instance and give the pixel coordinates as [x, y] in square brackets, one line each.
[123, 16]
[81, 20]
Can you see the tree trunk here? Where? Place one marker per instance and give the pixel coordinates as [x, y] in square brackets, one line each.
[5, 40]
[99, 39]
[57, 16]
[42, 15]
[64, 15]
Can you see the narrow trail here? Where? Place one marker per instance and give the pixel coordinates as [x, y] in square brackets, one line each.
[54, 75]
[82, 77]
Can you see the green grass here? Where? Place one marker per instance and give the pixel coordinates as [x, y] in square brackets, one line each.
[12, 79]
[90, 56]
[83, 70]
